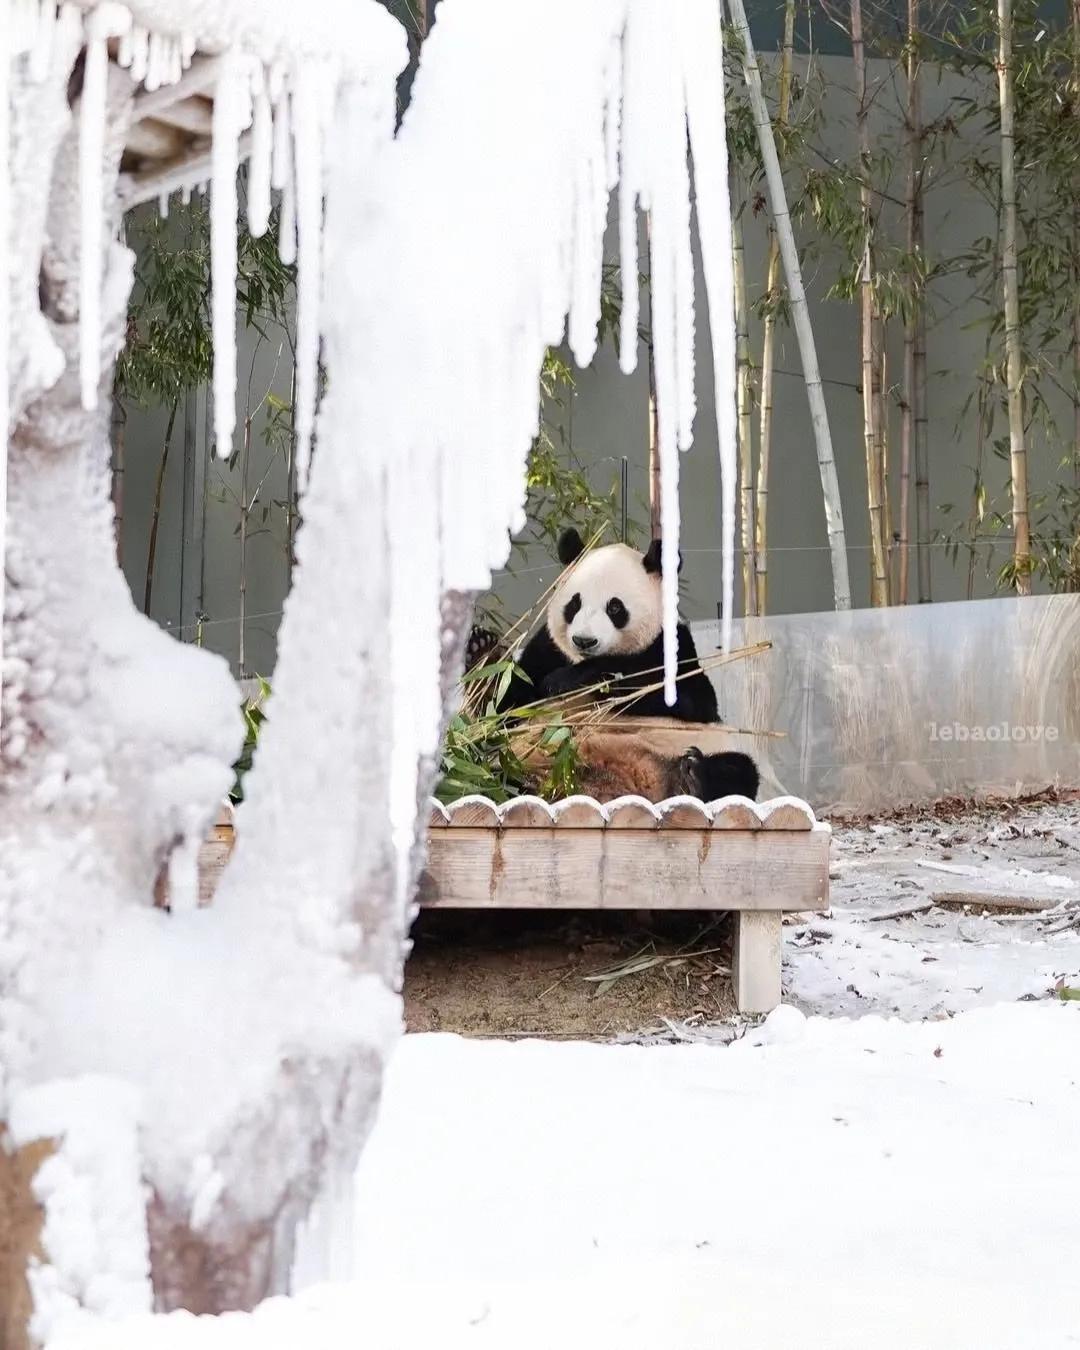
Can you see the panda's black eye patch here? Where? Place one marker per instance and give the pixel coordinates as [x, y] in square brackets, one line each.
[617, 612]
[571, 608]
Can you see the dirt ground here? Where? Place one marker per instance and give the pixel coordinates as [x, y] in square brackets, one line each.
[525, 974]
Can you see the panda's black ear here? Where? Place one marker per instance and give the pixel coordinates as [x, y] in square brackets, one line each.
[570, 547]
[652, 558]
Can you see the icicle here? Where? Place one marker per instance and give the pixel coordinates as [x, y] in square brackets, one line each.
[633, 63]
[163, 206]
[281, 174]
[41, 50]
[232, 112]
[176, 61]
[106, 21]
[185, 194]
[187, 48]
[140, 53]
[613, 114]
[153, 62]
[703, 63]
[125, 50]
[258, 193]
[307, 140]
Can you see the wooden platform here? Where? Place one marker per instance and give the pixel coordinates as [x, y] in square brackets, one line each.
[755, 860]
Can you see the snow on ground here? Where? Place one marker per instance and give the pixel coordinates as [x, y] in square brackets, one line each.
[821, 1183]
[957, 955]
[844, 1180]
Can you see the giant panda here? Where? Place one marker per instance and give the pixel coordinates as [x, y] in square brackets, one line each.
[603, 625]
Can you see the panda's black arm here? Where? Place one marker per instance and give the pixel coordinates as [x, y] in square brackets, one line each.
[695, 698]
[537, 660]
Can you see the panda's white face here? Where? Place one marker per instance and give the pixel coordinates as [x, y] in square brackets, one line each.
[606, 604]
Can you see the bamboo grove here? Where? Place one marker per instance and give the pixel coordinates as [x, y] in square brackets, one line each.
[1004, 76]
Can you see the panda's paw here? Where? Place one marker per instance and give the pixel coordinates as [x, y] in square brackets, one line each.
[562, 681]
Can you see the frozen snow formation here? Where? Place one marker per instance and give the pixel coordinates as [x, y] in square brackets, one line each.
[436, 264]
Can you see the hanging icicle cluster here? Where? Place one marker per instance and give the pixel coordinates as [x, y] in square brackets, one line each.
[460, 252]
[463, 245]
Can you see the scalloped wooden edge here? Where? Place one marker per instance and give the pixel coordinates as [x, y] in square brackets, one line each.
[586, 813]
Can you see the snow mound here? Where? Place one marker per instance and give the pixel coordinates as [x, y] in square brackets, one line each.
[869, 1182]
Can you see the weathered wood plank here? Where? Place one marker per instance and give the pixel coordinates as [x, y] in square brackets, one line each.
[784, 814]
[579, 813]
[632, 813]
[473, 811]
[628, 869]
[683, 813]
[737, 813]
[524, 813]
[755, 965]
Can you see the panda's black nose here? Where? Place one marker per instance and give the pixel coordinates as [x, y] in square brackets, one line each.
[584, 644]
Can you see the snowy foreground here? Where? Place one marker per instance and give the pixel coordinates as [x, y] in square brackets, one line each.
[821, 1183]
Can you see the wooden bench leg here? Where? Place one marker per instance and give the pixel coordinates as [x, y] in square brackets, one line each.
[756, 960]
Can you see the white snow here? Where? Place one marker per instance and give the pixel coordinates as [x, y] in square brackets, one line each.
[311, 103]
[822, 1184]
[94, 1202]
[104, 22]
[232, 114]
[968, 951]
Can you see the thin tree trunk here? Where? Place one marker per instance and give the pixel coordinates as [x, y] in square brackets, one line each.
[245, 510]
[800, 312]
[1010, 284]
[119, 446]
[745, 423]
[870, 378]
[768, 343]
[155, 519]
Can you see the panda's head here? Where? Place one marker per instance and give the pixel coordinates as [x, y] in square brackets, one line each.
[608, 603]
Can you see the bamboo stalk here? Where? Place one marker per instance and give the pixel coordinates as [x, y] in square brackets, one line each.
[870, 377]
[119, 446]
[800, 311]
[654, 415]
[921, 426]
[985, 409]
[922, 457]
[912, 155]
[1010, 286]
[155, 519]
[1076, 264]
[882, 368]
[745, 420]
[768, 343]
